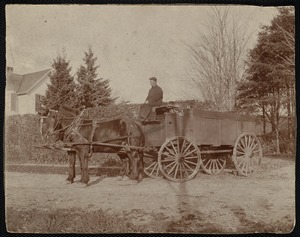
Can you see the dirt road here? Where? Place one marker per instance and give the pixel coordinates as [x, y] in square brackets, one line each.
[222, 203]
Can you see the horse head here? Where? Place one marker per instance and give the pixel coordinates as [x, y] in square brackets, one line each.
[49, 125]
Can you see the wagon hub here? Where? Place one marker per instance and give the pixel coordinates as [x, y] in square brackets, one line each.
[179, 158]
[248, 152]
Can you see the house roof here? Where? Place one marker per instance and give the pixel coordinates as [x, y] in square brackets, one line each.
[13, 82]
[22, 84]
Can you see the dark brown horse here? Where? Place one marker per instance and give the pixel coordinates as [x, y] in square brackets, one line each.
[67, 125]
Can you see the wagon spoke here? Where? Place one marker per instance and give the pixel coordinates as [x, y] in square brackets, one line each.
[244, 139]
[180, 170]
[242, 142]
[178, 145]
[187, 161]
[170, 151]
[186, 149]
[245, 166]
[174, 148]
[248, 166]
[240, 157]
[190, 157]
[187, 174]
[218, 163]
[241, 162]
[244, 161]
[155, 166]
[168, 160]
[252, 143]
[176, 170]
[215, 166]
[247, 140]
[256, 151]
[253, 163]
[241, 152]
[157, 170]
[256, 144]
[239, 146]
[190, 152]
[152, 170]
[170, 164]
[212, 166]
[188, 167]
[171, 170]
[183, 144]
[209, 160]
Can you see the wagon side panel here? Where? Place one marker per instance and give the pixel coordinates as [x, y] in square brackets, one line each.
[230, 130]
[207, 131]
[154, 134]
[251, 126]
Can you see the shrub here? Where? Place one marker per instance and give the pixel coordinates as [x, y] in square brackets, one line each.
[21, 134]
[111, 111]
[286, 145]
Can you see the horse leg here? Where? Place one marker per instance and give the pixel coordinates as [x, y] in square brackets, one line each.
[81, 165]
[127, 166]
[141, 167]
[134, 161]
[85, 170]
[72, 161]
[123, 163]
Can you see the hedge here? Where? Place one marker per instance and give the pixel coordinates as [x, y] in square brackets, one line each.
[22, 133]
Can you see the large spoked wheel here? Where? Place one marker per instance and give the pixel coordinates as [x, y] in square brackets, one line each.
[152, 170]
[212, 164]
[247, 154]
[179, 159]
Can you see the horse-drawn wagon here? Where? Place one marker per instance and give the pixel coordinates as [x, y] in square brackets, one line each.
[174, 144]
[198, 139]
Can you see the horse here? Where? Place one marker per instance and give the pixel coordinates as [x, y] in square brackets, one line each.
[83, 132]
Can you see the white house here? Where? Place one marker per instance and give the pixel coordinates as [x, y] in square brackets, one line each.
[23, 92]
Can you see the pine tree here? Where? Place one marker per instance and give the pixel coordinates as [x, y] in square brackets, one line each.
[61, 89]
[269, 85]
[92, 92]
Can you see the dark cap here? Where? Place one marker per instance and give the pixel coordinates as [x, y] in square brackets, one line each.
[153, 79]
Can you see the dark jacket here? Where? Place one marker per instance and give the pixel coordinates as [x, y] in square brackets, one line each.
[155, 96]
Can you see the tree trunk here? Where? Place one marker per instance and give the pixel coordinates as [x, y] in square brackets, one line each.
[289, 118]
[264, 119]
[277, 142]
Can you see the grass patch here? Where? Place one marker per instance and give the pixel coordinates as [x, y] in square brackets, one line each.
[66, 221]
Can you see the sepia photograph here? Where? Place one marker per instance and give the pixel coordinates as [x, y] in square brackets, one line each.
[150, 119]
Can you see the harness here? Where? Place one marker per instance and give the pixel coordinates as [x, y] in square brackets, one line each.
[72, 130]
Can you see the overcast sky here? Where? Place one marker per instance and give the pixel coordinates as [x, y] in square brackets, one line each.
[132, 43]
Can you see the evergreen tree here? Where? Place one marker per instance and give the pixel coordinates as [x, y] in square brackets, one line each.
[61, 88]
[92, 92]
[269, 85]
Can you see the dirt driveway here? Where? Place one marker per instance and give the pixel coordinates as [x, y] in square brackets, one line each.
[222, 203]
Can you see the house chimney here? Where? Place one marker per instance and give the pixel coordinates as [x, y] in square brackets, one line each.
[9, 70]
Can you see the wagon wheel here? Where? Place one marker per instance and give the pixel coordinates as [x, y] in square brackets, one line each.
[247, 153]
[152, 170]
[179, 159]
[213, 164]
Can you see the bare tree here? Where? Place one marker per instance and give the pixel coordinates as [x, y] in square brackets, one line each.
[217, 58]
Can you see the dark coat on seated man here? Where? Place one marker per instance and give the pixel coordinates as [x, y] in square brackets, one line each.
[154, 98]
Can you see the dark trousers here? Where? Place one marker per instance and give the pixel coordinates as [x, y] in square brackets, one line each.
[145, 110]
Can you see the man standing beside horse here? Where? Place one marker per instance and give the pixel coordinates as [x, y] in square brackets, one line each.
[154, 98]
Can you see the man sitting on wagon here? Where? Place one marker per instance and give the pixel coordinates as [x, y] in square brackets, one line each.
[154, 99]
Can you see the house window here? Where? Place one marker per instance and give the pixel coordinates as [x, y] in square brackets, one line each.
[13, 102]
[38, 102]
